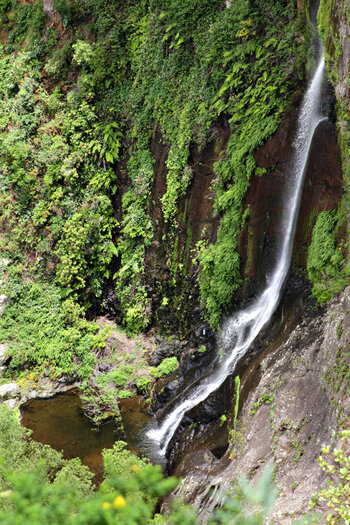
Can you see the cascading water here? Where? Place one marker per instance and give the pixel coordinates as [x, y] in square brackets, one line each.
[239, 331]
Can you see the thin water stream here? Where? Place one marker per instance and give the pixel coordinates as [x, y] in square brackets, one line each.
[240, 330]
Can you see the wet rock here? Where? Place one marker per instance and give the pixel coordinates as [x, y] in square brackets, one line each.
[203, 335]
[15, 396]
[191, 440]
[193, 367]
[195, 218]
[49, 11]
[165, 391]
[175, 347]
[293, 399]
[323, 189]
[199, 465]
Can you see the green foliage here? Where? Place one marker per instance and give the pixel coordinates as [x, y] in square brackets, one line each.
[166, 367]
[121, 375]
[326, 26]
[266, 399]
[85, 248]
[143, 385]
[21, 455]
[136, 235]
[335, 498]
[125, 394]
[41, 330]
[61, 205]
[327, 278]
[72, 13]
[222, 419]
[38, 486]
[325, 259]
[120, 72]
[233, 432]
[254, 114]
[57, 66]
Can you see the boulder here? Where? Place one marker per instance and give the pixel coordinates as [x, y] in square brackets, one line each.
[3, 353]
[9, 391]
[12, 403]
[4, 301]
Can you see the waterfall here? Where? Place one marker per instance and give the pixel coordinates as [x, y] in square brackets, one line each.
[239, 331]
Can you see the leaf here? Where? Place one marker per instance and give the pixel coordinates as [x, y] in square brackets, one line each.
[109, 156]
[114, 250]
[270, 42]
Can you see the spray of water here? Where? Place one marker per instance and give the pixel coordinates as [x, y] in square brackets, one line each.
[239, 331]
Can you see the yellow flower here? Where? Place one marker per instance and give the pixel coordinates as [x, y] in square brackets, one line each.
[136, 468]
[119, 502]
[105, 505]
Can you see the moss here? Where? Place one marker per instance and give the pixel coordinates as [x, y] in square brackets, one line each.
[266, 399]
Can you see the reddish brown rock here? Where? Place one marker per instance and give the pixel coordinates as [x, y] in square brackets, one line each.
[322, 190]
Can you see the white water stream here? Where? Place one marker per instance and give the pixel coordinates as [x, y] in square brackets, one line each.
[239, 331]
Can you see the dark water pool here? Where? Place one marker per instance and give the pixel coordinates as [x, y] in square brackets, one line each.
[60, 422]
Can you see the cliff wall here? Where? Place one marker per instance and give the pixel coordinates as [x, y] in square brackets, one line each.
[294, 396]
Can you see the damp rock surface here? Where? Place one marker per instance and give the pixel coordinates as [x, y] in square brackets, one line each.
[287, 417]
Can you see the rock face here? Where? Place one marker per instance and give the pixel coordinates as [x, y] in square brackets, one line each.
[322, 191]
[195, 215]
[256, 244]
[14, 396]
[290, 394]
[49, 11]
[338, 47]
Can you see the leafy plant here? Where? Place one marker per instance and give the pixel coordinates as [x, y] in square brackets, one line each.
[334, 499]
[166, 367]
[325, 259]
[41, 330]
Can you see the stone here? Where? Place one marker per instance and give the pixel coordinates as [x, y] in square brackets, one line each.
[4, 301]
[3, 353]
[12, 403]
[9, 391]
[299, 374]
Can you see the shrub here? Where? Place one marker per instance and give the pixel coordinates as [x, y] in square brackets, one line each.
[325, 259]
[143, 384]
[41, 330]
[166, 367]
[120, 375]
[335, 499]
